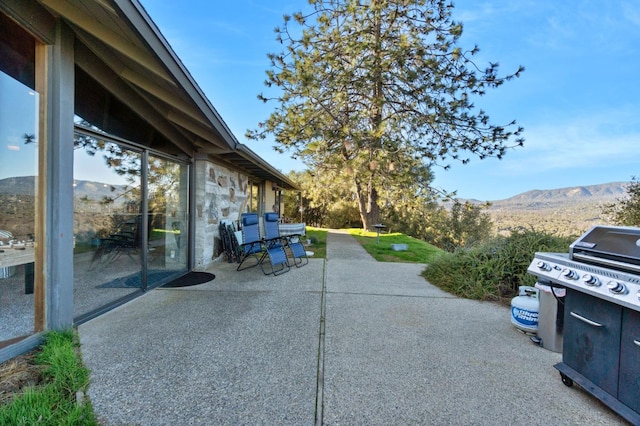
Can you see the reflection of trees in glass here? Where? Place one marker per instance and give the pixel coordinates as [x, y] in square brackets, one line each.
[164, 186]
[29, 138]
[122, 162]
[163, 180]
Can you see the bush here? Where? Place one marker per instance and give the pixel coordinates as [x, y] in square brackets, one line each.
[495, 269]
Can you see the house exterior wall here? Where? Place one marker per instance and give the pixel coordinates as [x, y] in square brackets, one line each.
[216, 193]
[220, 195]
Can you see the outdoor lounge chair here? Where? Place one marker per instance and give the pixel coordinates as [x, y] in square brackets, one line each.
[252, 245]
[127, 240]
[272, 235]
[262, 250]
[277, 259]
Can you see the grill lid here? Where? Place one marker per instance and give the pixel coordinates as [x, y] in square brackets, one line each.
[617, 247]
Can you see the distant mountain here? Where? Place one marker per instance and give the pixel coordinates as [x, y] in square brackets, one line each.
[572, 194]
[565, 211]
[96, 191]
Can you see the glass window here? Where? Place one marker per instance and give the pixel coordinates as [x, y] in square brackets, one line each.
[168, 218]
[118, 248]
[107, 222]
[18, 172]
[253, 199]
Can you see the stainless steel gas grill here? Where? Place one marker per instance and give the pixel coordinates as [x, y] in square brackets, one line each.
[601, 346]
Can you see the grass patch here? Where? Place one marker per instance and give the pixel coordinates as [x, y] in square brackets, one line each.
[318, 244]
[54, 401]
[417, 251]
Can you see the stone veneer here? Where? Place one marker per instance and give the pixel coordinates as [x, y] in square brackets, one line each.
[221, 194]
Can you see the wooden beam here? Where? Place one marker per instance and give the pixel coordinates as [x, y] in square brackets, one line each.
[105, 76]
[33, 17]
[147, 85]
[77, 17]
[205, 133]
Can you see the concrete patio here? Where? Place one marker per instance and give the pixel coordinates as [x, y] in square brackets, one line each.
[344, 341]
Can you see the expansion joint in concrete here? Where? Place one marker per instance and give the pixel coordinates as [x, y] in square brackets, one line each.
[321, 336]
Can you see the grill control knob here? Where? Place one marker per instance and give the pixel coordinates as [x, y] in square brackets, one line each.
[543, 266]
[616, 287]
[568, 273]
[590, 280]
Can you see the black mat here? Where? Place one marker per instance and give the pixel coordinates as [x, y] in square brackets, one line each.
[192, 278]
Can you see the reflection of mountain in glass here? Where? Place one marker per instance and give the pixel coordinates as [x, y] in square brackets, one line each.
[101, 193]
[17, 206]
[22, 185]
[91, 191]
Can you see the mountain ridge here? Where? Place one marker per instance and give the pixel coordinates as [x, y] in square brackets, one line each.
[564, 211]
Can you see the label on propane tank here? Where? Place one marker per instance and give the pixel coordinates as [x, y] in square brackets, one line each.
[524, 317]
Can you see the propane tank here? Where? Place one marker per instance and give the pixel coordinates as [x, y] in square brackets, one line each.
[525, 308]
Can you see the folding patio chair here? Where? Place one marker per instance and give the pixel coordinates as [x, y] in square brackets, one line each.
[251, 242]
[272, 235]
[277, 259]
[254, 246]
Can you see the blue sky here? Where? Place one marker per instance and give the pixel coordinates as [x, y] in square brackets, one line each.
[578, 100]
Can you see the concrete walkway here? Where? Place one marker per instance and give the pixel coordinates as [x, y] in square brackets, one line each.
[344, 341]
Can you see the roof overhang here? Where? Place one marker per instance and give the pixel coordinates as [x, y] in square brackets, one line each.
[119, 46]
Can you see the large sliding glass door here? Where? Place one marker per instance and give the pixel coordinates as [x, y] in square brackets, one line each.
[107, 225]
[131, 220]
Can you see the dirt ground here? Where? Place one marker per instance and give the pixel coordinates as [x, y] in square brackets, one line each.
[17, 374]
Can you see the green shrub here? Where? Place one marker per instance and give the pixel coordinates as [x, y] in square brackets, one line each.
[495, 269]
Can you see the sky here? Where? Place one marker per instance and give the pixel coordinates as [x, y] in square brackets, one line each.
[17, 118]
[578, 100]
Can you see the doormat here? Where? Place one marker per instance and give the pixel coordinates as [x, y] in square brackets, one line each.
[192, 278]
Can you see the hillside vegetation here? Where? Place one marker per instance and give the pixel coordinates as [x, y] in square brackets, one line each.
[563, 212]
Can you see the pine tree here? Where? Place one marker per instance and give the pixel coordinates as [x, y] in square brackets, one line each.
[377, 90]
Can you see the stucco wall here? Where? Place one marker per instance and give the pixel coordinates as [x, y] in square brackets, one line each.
[220, 194]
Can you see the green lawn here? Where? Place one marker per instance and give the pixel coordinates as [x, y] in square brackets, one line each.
[318, 246]
[417, 251]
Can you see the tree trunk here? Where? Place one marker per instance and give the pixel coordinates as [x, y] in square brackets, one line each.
[368, 205]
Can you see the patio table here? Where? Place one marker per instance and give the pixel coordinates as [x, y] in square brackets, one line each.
[288, 229]
[12, 257]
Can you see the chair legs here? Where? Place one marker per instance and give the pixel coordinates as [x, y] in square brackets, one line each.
[250, 250]
[277, 259]
[298, 253]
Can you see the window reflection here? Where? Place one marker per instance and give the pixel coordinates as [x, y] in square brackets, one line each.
[118, 248]
[18, 171]
[107, 225]
[168, 192]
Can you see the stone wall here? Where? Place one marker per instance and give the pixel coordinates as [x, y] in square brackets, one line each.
[220, 194]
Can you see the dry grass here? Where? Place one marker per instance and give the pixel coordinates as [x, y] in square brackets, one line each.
[17, 374]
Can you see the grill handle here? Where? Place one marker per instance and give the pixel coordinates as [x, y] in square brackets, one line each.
[606, 262]
[586, 320]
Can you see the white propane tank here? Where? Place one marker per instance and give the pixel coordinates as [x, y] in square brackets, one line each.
[525, 308]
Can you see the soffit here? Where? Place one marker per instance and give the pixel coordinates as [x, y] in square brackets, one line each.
[144, 71]
[122, 40]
